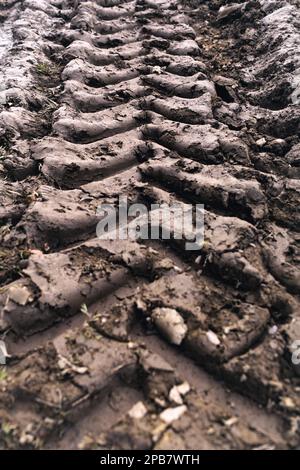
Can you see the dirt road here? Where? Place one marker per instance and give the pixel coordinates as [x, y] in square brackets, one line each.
[141, 344]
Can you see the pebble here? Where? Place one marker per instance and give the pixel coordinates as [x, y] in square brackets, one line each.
[261, 142]
[213, 338]
[171, 324]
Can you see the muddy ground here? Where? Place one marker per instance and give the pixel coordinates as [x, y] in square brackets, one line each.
[143, 345]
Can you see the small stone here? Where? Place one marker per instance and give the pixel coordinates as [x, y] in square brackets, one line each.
[20, 295]
[175, 396]
[157, 69]
[26, 439]
[229, 10]
[231, 421]
[158, 431]
[160, 402]
[261, 142]
[273, 330]
[183, 388]
[288, 403]
[3, 353]
[278, 144]
[178, 391]
[177, 269]
[165, 264]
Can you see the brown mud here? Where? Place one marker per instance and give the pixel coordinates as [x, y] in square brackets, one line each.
[134, 345]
